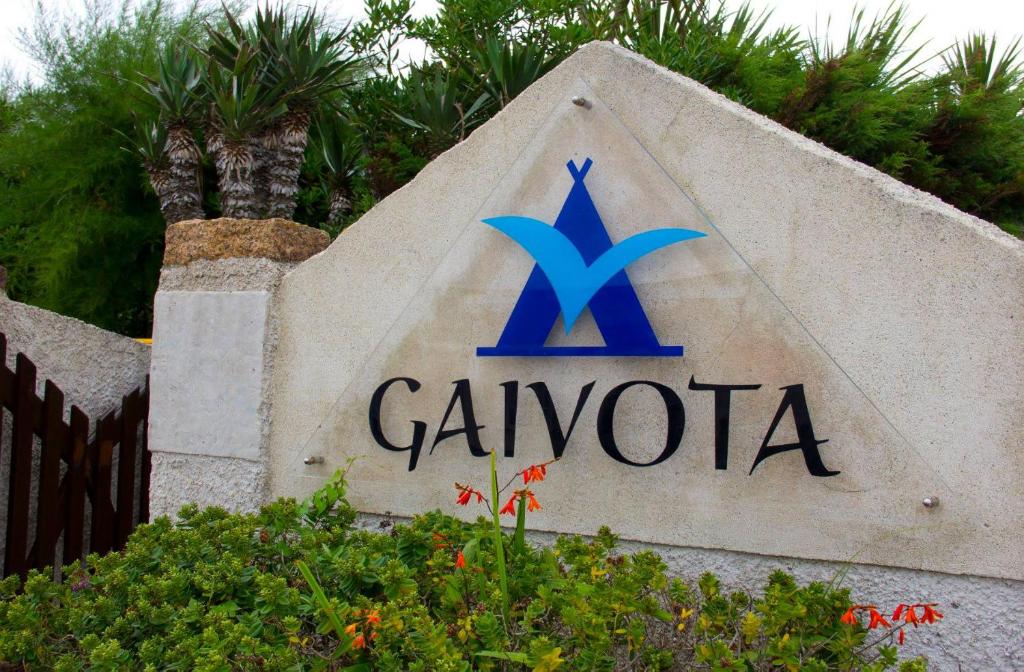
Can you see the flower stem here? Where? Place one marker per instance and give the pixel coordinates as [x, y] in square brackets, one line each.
[499, 547]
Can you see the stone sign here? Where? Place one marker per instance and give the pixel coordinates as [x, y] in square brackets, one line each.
[728, 335]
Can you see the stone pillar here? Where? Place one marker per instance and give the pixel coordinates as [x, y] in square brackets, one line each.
[214, 333]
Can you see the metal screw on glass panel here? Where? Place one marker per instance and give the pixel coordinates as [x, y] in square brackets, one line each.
[580, 101]
[313, 459]
[930, 502]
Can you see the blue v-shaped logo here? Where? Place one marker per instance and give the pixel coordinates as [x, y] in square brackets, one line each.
[577, 266]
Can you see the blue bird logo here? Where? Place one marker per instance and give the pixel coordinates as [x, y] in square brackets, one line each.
[574, 281]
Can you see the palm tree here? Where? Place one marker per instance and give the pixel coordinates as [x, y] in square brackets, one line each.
[174, 90]
[297, 67]
[308, 66]
[240, 106]
[341, 149]
[973, 65]
[149, 144]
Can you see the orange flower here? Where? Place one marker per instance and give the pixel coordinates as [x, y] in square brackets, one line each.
[510, 506]
[899, 610]
[535, 472]
[374, 635]
[850, 618]
[900, 638]
[351, 630]
[877, 619]
[373, 618]
[359, 642]
[930, 615]
[460, 561]
[531, 503]
[466, 493]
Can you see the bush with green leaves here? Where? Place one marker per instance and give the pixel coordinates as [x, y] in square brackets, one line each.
[298, 586]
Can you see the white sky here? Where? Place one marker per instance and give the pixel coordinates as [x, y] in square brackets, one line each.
[943, 20]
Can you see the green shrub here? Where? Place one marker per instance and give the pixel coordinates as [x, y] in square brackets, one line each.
[219, 591]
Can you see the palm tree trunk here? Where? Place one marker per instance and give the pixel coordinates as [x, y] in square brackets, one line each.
[263, 152]
[161, 181]
[340, 205]
[236, 165]
[285, 164]
[183, 173]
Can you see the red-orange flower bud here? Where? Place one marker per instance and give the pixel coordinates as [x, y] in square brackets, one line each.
[930, 615]
[877, 620]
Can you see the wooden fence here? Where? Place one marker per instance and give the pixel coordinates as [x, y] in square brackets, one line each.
[72, 468]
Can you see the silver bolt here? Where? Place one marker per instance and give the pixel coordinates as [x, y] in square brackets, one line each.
[313, 459]
[930, 502]
[580, 101]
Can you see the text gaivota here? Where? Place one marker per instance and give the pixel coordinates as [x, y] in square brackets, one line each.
[561, 424]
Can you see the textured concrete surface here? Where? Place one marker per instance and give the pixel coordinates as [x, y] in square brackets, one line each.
[897, 313]
[207, 373]
[178, 479]
[275, 239]
[224, 275]
[980, 631]
[94, 367]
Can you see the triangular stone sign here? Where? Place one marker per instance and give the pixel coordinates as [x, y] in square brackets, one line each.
[823, 351]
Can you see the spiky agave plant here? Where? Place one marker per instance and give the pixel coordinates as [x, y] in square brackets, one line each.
[437, 106]
[511, 68]
[174, 89]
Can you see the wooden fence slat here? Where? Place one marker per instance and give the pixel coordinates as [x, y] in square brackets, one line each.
[48, 519]
[126, 469]
[102, 537]
[74, 520]
[20, 481]
[147, 464]
[3, 388]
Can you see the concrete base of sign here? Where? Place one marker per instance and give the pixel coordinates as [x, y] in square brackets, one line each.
[213, 339]
[230, 483]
